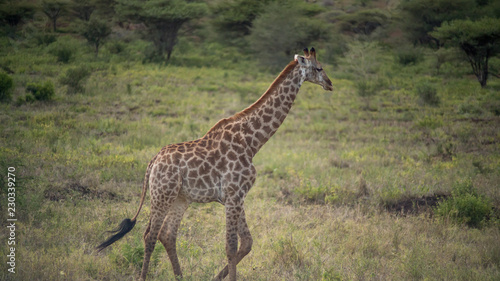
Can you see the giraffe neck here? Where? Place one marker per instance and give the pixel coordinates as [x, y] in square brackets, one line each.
[251, 128]
[265, 116]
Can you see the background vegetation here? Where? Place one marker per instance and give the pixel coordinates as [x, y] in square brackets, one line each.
[393, 176]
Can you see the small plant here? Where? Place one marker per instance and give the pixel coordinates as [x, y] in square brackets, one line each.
[427, 94]
[65, 49]
[6, 85]
[408, 56]
[465, 205]
[287, 254]
[115, 47]
[43, 91]
[366, 90]
[44, 39]
[64, 53]
[74, 78]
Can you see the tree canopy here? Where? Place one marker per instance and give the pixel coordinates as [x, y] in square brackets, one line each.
[162, 18]
[479, 39]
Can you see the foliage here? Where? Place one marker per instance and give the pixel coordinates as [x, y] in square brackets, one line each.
[427, 93]
[74, 78]
[479, 39]
[408, 55]
[63, 51]
[465, 205]
[13, 13]
[83, 9]
[363, 22]
[233, 19]
[421, 16]
[43, 92]
[163, 19]
[282, 30]
[45, 39]
[54, 9]
[6, 85]
[95, 31]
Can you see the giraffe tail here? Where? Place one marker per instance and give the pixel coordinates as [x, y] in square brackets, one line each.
[127, 224]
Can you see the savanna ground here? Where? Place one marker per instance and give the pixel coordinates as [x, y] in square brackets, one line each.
[348, 189]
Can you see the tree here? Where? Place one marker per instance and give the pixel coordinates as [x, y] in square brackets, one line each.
[233, 18]
[95, 31]
[83, 9]
[421, 16]
[283, 29]
[162, 18]
[362, 22]
[53, 9]
[479, 39]
[13, 13]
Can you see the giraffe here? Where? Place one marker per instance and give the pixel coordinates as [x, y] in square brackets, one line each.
[217, 168]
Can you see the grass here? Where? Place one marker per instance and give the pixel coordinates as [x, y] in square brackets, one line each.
[320, 207]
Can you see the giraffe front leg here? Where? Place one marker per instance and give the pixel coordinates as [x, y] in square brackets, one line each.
[232, 218]
[246, 242]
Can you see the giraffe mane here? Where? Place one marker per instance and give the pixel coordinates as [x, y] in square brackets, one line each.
[276, 83]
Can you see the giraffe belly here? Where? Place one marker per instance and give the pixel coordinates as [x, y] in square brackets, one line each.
[201, 192]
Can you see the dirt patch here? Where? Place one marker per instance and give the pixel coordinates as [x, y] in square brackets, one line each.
[75, 191]
[413, 206]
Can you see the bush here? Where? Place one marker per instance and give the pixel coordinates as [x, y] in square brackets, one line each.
[43, 91]
[44, 39]
[64, 49]
[408, 56]
[365, 88]
[465, 205]
[6, 85]
[74, 78]
[115, 47]
[427, 94]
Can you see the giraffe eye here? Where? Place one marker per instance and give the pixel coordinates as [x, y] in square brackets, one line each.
[319, 69]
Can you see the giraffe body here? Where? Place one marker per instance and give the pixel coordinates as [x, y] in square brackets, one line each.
[218, 168]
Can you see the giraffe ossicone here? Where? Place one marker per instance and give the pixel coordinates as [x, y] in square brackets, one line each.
[218, 168]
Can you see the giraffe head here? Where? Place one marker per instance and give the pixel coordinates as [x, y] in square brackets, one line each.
[312, 69]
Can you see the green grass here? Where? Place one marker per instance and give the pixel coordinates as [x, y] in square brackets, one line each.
[318, 210]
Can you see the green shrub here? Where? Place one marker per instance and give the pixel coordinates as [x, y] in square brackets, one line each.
[43, 91]
[64, 49]
[115, 47]
[465, 205]
[74, 78]
[365, 88]
[6, 85]
[44, 39]
[408, 55]
[427, 94]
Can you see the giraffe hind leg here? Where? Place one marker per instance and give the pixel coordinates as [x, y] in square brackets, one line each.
[168, 232]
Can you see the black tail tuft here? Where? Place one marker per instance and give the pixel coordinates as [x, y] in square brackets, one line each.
[125, 226]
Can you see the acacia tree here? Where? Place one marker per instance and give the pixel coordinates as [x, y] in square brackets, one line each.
[162, 18]
[53, 9]
[83, 9]
[480, 40]
[95, 31]
[419, 17]
[233, 19]
[14, 13]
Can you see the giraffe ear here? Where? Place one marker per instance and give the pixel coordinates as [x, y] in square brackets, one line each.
[313, 53]
[301, 60]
